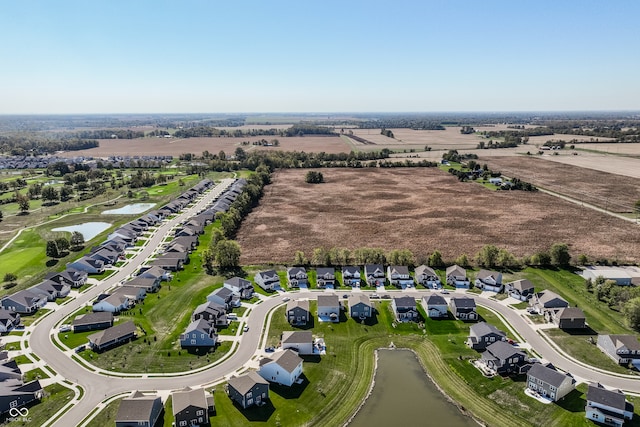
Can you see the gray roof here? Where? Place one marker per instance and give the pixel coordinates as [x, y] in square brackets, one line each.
[405, 301]
[328, 301]
[613, 398]
[629, 341]
[321, 271]
[246, 382]
[25, 297]
[399, 269]
[182, 399]
[547, 374]
[112, 333]
[223, 293]
[434, 299]
[137, 407]
[154, 271]
[292, 271]
[570, 313]
[371, 268]
[482, 274]
[288, 360]
[483, 328]
[522, 285]
[91, 318]
[351, 269]
[502, 350]
[547, 295]
[464, 302]
[456, 270]
[269, 274]
[199, 325]
[359, 298]
[301, 303]
[296, 337]
[423, 269]
[238, 282]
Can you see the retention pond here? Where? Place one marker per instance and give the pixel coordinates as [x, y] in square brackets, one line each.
[404, 393]
[134, 208]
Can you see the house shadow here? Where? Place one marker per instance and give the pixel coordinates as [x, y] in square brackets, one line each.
[368, 321]
[254, 413]
[200, 351]
[308, 325]
[310, 358]
[293, 392]
[573, 402]
[587, 330]
[343, 316]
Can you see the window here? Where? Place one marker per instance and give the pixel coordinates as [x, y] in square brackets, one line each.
[202, 336]
[199, 412]
[193, 342]
[249, 395]
[250, 402]
[183, 423]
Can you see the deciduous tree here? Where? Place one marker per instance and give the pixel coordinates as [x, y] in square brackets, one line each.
[52, 249]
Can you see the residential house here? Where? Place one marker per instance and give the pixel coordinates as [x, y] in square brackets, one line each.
[483, 334]
[374, 274]
[300, 341]
[503, 358]
[405, 309]
[607, 407]
[149, 284]
[360, 306]
[298, 312]
[92, 321]
[113, 303]
[135, 293]
[188, 242]
[267, 280]
[154, 273]
[399, 276]
[88, 265]
[192, 407]
[548, 382]
[224, 296]
[329, 308]
[212, 312]
[167, 263]
[325, 276]
[457, 276]
[15, 394]
[113, 336]
[74, 278]
[351, 276]
[51, 290]
[248, 389]
[283, 367]
[435, 306]
[9, 319]
[139, 410]
[199, 333]
[546, 300]
[297, 276]
[623, 349]
[463, 308]
[489, 281]
[23, 302]
[427, 277]
[107, 256]
[520, 289]
[241, 287]
[567, 317]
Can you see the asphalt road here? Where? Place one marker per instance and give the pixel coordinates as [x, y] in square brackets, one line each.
[97, 387]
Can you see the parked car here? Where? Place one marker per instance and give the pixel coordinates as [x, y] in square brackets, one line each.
[65, 328]
[80, 348]
[375, 296]
[285, 299]
[270, 349]
[444, 291]
[246, 328]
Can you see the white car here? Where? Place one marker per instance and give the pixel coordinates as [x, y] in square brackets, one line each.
[246, 328]
[285, 299]
[65, 328]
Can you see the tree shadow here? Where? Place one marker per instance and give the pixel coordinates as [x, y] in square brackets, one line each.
[52, 262]
[293, 392]
[572, 402]
[254, 413]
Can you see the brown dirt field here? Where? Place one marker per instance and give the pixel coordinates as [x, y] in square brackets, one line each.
[175, 146]
[605, 190]
[421, 210]
[612, 164]
[613, 148]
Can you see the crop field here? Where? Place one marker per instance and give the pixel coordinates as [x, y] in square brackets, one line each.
[176, 146]
[605, 190]
[421, 210]
[612, 164]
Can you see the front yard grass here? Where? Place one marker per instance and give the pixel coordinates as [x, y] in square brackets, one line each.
[55, 397]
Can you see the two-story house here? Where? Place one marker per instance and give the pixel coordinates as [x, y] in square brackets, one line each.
[623, 349]
[548, 382]
[325, 277]
[351, 276]
[608, 407]
[427, 277]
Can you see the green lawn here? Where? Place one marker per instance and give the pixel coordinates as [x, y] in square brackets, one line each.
[35, 374]
[107, 417]
[56, 396]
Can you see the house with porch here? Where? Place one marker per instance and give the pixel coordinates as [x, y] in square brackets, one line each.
[88, 265]
[520, 289]
[489, 281]
[351, 276]
[325, 277]
[503, 358]
[607, 407]
[267, 280]
[427, 277]
[399, 276]
[435, 306]
[297, 276]
[199, 333]
[329, 308]
[113, 303]
[374, 274]
[404, 309]
[623, 349]
[92, 321]
[23, 302]
[457, 277]
[483, 334]
[73, 278]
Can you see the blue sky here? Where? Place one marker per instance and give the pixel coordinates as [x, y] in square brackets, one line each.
[318, 56]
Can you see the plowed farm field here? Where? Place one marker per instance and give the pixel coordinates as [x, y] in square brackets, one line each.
[421, 210]
[609, 191]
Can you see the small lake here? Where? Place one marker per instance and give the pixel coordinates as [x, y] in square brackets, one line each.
[89, 230]
[403, 393]
[134, 208]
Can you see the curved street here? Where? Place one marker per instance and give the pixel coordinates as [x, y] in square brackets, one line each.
[98, 387]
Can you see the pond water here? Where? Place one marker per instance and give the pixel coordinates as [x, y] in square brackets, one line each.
[403, 393]
[134, 208]
[89, 230]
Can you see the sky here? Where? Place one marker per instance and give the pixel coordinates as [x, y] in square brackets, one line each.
[210, 56]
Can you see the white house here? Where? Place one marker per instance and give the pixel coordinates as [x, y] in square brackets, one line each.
[457, 276]
[300, 341]
[328, 308]
[489, 281]
[284, 367]
[609, 407]
[427, 277]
